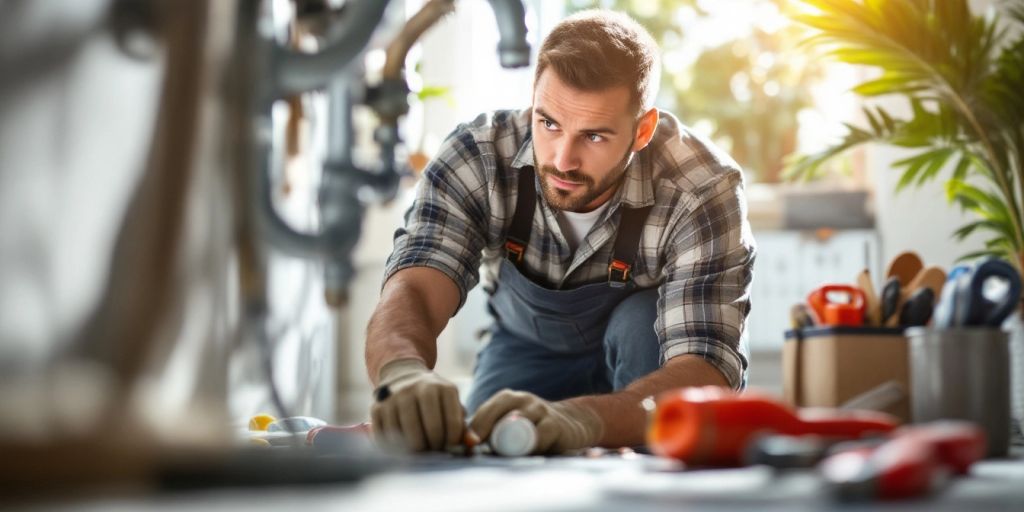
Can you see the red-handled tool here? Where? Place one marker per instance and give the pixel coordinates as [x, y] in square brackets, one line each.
[912, 463]
[849, 312]
[713, 426]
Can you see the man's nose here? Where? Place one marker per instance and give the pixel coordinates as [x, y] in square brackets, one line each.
[566, 157]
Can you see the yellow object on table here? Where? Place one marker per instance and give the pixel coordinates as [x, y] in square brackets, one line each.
[260, 421]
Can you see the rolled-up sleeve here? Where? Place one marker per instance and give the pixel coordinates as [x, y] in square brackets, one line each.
[444, 229]
[704, 298]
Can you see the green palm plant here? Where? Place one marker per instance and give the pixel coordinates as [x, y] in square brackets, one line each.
[963, 76]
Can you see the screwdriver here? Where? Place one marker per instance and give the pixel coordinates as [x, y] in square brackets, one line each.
[713, 426]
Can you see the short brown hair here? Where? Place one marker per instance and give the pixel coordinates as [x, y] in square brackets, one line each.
[597, 49]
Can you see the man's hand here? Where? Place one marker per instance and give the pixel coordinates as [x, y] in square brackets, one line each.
[561, 426]
[417, 407]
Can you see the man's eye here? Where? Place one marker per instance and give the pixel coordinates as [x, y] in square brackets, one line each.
[548, 124]
[593, 137]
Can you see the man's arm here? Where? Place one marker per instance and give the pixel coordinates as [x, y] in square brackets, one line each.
[415, 408]
[433, 266]
[414, 308]
[621, 413]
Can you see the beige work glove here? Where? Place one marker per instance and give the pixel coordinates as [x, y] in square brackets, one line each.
[416, 409]
[561, 426]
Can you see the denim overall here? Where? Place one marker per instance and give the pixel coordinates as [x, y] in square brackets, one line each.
[559, 344]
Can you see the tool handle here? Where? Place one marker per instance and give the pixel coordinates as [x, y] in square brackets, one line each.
[844, 425]
[712, 427]
[987, 312]
[903, 467]
[957, 444]
[838, 313]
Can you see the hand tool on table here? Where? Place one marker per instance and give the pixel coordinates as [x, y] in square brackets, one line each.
[913, 462]
[780, 451]
[968, 304]
[335, 438]
[295, 424]
[872, 306]
[713, 426]
[955, 445]
[849, 312]
[905, 266]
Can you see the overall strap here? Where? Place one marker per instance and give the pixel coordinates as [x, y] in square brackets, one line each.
[522, 219]
[627, 244]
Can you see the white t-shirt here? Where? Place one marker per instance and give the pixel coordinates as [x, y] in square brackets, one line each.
[575, 226]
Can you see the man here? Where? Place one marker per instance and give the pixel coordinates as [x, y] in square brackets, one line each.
[616, 241]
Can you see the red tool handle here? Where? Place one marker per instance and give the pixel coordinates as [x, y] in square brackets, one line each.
[850, 312]
[843, 424]
[903, 467]
[916, 460]
[713, 426]
[957, 444]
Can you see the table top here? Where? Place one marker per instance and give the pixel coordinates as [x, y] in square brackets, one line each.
[632, 482]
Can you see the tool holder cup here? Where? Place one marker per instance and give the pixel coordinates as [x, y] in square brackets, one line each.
[962, 373]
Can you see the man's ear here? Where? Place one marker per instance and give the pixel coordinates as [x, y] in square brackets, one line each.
[645, 129]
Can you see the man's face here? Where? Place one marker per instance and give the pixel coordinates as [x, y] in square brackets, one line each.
[582, 142]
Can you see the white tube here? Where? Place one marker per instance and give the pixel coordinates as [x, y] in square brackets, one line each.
[513, 436]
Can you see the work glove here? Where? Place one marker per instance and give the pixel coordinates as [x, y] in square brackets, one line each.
[561, 426]
[416, 408]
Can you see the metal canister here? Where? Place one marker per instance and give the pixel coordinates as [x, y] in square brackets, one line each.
[962, 373]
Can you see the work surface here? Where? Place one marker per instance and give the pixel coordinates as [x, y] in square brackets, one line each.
[614, 483]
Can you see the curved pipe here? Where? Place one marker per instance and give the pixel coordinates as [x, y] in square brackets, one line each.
[341, 208]
[297, 72]
[276, 230]
[411, 32]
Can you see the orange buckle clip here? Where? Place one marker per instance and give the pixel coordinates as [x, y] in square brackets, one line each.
[621, 267]
[515, 248]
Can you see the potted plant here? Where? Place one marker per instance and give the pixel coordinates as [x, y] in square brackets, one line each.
[963, 76]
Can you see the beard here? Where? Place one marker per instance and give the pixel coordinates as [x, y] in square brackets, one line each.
[588, 190]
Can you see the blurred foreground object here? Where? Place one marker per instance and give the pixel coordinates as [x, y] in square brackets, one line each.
[137, 390]
[713, 426]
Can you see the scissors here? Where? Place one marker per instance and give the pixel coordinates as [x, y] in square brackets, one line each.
[964, 303]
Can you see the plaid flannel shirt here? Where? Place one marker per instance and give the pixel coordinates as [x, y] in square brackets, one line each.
[696, 245]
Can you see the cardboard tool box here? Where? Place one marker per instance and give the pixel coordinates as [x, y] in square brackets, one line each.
[838, 366]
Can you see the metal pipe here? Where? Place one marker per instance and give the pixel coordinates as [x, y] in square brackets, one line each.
[513, 50]
[345, 187]
[425, 18]
[295, 72]
[339, 121]
[274, 228]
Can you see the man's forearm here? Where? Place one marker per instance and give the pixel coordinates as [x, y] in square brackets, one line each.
[407, 322]
[624, 419]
